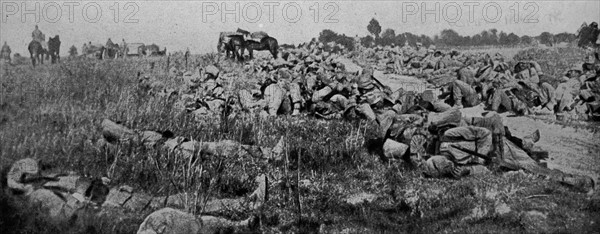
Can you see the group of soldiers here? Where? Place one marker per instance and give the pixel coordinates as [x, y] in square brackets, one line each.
[428, 130]
[428, 127]
[330, 85]
[67, 195]
[36, 35]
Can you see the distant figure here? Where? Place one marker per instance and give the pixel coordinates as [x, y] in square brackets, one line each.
[37, 35]
[111, 49]
[109, 43]
[5, 52]
[124, 48]
[186, 55]
[40, 37]
[84, 49]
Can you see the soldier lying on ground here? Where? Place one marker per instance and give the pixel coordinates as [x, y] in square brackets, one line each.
[65, 196]
[114, 134]
[465, 145]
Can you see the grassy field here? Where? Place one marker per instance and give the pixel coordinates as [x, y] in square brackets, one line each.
[53, 113]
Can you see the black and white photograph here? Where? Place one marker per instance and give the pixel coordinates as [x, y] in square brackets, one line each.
[299, 116]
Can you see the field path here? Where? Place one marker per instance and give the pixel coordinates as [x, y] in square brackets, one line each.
[572, 150]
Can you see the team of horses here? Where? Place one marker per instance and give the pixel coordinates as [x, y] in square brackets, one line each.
[38, 53]
[235, 44]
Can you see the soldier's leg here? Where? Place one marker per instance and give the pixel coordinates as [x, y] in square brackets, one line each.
[339, 101]
[440, 106]
[563, 95]
[501, 99]
[321, 94]
[246, 99]
[365, 109]
[217, 222]
[547, 95]
[493, 122]
[481, 136]
[296, 98]
[462, 91]
[274, 97]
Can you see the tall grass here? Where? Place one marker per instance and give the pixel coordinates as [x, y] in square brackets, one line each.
[53, 113]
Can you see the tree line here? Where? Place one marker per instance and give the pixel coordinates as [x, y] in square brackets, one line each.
[447, 37]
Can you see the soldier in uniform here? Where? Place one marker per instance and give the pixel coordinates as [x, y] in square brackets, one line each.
[5, 52]
[38, 36]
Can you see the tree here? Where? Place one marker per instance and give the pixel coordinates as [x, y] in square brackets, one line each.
[388, 37]
[426, 40]
[411, 38]
[73, 51]
[565, 37]
[400, 39]
[513, 39]
[546, 38]
[587, 35]
[493, 37]
[327, 35]
[388, 33]
[374, 27]
[450, 37]
[477, 40]
[527, 40]
[503, 39]
[367, 41]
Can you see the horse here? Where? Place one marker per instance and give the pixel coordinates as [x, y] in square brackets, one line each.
[112, 50]
[266, 43]
[223, 44]
[236, 45]
[54, 48]
[36, 52]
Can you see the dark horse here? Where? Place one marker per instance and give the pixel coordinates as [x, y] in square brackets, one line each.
[266, 43]
[54, 48]
[236, 45]
[36, 52]
[111, 50]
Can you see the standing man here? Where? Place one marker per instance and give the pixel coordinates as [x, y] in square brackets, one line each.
[37, 35]
[186, 55]
[84, 49]
[124, 49]
[5, 52]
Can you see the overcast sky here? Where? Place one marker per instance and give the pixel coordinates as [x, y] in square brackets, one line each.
[196, 24]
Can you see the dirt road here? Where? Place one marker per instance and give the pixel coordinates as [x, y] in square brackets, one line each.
[572, 150]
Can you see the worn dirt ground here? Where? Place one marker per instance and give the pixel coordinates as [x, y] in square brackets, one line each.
[572, 150]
